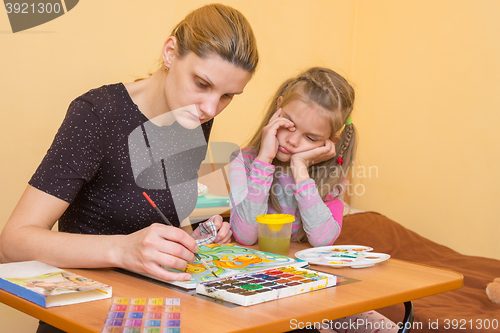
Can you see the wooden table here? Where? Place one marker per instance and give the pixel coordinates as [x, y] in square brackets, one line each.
[391, 282]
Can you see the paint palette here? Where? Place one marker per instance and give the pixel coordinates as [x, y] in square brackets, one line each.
[355, 256]
[144, 315]
[268, 285]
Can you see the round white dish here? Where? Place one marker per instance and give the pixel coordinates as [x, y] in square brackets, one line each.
[355, 256]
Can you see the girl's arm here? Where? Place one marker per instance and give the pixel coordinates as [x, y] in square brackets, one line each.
[28, 236]
[251, 180]
[250, 185]
[322, 221]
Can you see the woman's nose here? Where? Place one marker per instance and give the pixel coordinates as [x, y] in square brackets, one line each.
[209, 107]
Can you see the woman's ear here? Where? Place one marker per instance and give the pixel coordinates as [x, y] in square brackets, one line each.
[336, 138]
[169, 50]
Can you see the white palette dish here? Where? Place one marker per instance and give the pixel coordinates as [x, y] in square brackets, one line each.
[355, 256]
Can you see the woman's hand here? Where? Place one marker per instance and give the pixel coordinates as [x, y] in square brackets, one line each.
[224, 232]
[269, 145]
[147, 250]
[28, 236]
[300, 161]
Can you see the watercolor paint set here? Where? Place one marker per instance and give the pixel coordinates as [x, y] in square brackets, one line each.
[144, 315]
[354, 256]
[254, 288]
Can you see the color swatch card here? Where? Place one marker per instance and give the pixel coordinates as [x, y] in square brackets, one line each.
[267, 285]
[144, 315]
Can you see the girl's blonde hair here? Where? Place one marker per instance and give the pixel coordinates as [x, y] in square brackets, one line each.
[218, 29]
[327, 89]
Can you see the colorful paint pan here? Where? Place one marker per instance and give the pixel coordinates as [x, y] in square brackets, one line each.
[267, 285]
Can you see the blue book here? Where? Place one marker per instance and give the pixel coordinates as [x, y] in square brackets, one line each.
[212, 200]
[49, 286]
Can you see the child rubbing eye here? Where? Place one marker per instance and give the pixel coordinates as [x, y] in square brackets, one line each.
[296, 164]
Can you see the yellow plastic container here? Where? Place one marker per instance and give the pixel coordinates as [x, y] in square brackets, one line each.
[275, 231]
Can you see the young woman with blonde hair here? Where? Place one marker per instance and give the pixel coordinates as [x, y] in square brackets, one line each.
[86, 181]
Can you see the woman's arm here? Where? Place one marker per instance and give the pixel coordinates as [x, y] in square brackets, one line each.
[250, 185]
[28, 236]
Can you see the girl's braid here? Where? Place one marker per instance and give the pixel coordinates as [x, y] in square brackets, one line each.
[348, 136]
[318, 84]
[348, 130]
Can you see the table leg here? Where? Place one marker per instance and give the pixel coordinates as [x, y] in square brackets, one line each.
[408, 319]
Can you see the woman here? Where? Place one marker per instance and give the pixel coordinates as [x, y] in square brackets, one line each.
[86, 181]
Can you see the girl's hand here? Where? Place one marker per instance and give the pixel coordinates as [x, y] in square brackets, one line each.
[300, 161]
[269, 145]
[224, 232]
[146, 250]
[314, 156]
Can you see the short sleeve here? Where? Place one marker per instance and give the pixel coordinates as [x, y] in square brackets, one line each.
[75, 154]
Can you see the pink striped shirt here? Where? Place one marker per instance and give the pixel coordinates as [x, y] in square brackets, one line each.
[251, 181]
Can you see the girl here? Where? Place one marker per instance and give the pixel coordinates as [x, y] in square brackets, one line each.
[86, 181]
[296, 162]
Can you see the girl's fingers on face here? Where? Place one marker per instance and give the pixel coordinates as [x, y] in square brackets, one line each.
[320, 154]
[329, 146]
[332, 147]
[276, 114]
[282, 122]
[328, 150]
[329, 143]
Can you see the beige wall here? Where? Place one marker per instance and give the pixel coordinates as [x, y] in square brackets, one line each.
[425, 73]
[428, 80]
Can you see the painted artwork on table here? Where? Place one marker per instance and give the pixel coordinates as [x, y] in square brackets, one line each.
[228, 259]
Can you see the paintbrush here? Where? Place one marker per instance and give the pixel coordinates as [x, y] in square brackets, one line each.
[170, 224]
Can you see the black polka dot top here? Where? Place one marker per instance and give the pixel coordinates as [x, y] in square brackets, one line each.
[89, 165]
